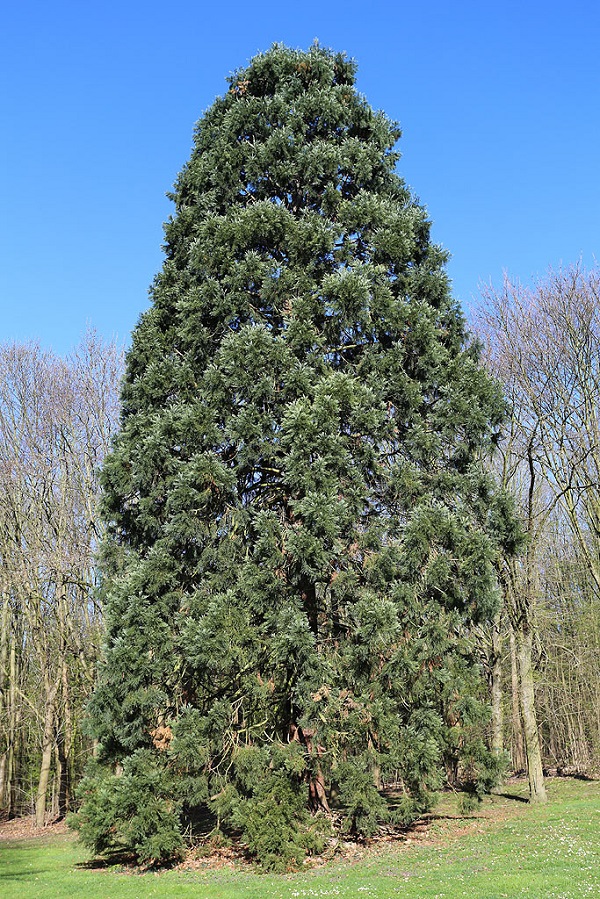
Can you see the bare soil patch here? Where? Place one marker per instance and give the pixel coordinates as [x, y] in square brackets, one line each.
[24, 829]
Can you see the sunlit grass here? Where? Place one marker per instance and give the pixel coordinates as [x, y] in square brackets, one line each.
[511, 849]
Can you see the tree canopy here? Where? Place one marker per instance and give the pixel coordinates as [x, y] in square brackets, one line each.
[301, 531]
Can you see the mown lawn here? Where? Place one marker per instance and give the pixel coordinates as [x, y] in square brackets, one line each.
[510, 849]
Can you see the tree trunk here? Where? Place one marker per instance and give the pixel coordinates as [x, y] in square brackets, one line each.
[497, 740]
[519, 762]
[317, 792]
[7, 783]
[3, 783]
[537, 790]
[4, 702]
[64, 728]
[63, 777]
[47, 747]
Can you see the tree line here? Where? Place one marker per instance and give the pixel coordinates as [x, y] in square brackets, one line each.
[57, 418]
[543, 344]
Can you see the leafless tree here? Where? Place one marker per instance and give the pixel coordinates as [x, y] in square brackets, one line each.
[544, 345]
[57, 417]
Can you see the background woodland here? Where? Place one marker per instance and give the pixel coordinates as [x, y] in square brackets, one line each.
[57, 419]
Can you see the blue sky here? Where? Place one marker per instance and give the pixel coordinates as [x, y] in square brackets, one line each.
[499, 105]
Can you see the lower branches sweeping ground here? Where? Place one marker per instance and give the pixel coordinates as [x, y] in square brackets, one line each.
[508, 848]
[152, 810]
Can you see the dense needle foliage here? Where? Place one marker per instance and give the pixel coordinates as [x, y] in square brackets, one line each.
[301, 532]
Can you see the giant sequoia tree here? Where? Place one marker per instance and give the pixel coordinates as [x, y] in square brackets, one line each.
[300, 529]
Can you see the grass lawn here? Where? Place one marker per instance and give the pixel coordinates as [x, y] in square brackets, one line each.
[509, 849]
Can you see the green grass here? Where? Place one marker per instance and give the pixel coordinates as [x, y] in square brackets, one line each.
[511, 849]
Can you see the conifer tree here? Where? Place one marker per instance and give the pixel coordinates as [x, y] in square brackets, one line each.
[300, 529]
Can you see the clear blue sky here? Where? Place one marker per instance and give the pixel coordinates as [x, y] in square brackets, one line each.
[499, 104]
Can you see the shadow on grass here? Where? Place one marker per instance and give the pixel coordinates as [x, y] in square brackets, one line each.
[15, 875]
[440, 817]
[123, 865]
[124, 860]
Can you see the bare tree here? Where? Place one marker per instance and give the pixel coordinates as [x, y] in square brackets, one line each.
[544, 345]
[56, 421]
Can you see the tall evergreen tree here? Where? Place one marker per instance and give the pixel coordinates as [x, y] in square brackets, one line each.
[300, 528]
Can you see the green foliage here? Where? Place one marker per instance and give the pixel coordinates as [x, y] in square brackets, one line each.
[364, 808]
[299, 531]
[268, 805]
[468, 803]
[482, 770]
[131, 812]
